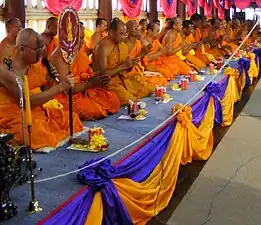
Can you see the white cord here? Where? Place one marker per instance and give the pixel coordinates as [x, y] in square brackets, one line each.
[156, 128]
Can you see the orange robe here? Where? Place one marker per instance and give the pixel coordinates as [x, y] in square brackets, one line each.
[94, 103]
[162, 65]
[50, 124]
[154, 80]
[128, 86]
[191, 60]
[232, 44]
[91, 45]
[52, 46]
[197, 38]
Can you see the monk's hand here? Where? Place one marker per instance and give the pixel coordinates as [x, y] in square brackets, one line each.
[130, 63]
[67, 83]
[99, 80]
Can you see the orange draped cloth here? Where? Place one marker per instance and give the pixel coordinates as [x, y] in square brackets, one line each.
[153, 80]
[128, 86]
[94, 103]
[166, 65]
[50, 124]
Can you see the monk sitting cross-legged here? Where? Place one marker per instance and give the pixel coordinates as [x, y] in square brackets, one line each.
[50, 123]
[156, 60]
[7, 46]
[111, 57]
[175, 46]
[90, 99]
[136, 50]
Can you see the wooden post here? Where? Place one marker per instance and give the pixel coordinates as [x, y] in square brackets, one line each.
[15, 8]
[153, 11]
[181, 10]
[215, 12]
[201, 11]
[227, 13]
[105, 9]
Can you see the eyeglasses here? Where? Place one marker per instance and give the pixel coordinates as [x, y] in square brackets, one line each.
[38, 50]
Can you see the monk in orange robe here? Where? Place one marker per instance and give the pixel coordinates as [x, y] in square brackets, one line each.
[52, 29]
[7, 46]
[143, 26]
[90, 99]
[137, 51]
[164, 30]
[176, 45]
[156, 60]
[187, 30]
[100, 32]
[111, 57]
[50, 123]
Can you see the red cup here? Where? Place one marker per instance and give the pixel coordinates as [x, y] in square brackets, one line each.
[184, 84]
[193, 77]
[134, 107]
[159, 93]
[219, 64]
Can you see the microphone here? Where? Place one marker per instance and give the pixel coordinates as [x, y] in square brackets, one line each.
[49, 68]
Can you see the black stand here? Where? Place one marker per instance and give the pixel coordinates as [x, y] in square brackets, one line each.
[8, 174]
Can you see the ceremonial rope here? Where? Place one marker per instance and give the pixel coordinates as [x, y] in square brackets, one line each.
[157, 127]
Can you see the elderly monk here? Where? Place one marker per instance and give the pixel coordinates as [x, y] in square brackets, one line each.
[167, 27]
[90, 99]
[100, 32]
[136, 50]
[156, 60]
[111, 57]
[176, 45]
[143, 26]
[52, 29]
[50, 122]
[7, 46]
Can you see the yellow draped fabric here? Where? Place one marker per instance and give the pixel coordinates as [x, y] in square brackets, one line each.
[253, 69]
[146, 199]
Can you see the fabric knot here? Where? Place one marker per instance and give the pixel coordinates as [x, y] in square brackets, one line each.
[231, 72]
[212, 89]
[184, 115]
[97, 175]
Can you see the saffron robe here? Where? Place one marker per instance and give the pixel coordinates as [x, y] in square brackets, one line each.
[154, 80]
[50, 124]
[127, 86]
[93, 103]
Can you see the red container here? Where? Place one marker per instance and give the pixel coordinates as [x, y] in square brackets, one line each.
[184, 84]
[193, 77]
[159, 92]
[134, 107]
[219, 64]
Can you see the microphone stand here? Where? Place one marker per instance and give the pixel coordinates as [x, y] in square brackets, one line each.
[70, 108]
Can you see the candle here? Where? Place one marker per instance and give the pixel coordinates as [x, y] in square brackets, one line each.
[27, 101]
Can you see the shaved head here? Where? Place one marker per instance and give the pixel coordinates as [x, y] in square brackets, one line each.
[117, 31]
[13, 26]
[133, 29]
[52, 25]
[29, 45]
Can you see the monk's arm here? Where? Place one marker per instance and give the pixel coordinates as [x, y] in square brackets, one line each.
[162, 34]
[8, 80]
[101, 54]
[95, 40]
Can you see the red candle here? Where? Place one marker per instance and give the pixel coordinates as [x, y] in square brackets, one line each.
[184, 84]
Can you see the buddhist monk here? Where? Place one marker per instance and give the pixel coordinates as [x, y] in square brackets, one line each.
[188, 31]
[90, 99]
[156, 60]
[111, 57]
[167, 27]
[52, 28]
[143, 26]
[136, 50]
[50, 123]
[7, 46]
[176, 44]
[100, 32]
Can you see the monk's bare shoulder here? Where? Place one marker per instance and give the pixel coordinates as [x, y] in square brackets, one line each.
[105, 46]
[7, 78]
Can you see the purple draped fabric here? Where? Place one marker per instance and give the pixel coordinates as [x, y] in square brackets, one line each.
[257, 51]
[200, 107]
[244, 65]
